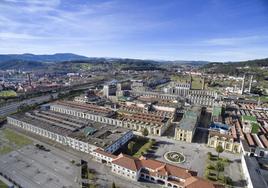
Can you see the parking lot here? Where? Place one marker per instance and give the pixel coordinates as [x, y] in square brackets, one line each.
[31, 167]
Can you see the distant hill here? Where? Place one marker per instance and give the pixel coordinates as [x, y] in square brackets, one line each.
[58, 57]
[22, 65]
[236, 68]
[68, 61]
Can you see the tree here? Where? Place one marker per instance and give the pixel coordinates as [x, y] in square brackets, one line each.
[219, 150]
[130, 147]
[113, 185]
[228, 180]
[145, 132]
[219, 167]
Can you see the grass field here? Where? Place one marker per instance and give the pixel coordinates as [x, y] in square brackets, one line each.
[196, 83]
[5, 149]
[15, 138]
[9, 93]
[141, 145]
[10, 140]
[3, 185]
[262, 98]
[143, 149]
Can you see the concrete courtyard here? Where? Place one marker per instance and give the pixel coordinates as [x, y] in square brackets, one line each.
[196, 157]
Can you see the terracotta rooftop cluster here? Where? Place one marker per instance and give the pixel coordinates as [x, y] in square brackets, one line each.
[88, 107]
[134, 108]
[259, 139]
[146, 118]
[183, 177]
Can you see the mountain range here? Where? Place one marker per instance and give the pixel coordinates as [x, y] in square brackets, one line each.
[58, 57]
[35, 62]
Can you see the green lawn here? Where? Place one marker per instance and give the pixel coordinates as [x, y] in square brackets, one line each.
[3, 185]
[196, 83]
[263, 98]
[143, 149]
[10, 140]
[17, 139]
[5, 149]
[8, 93]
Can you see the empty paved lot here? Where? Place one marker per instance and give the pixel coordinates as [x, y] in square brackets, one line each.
[31, 168]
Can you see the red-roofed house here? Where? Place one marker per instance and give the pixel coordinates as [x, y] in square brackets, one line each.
[156, 171]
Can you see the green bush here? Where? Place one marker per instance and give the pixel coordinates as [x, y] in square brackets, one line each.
[226, 160]
[228, 180]
[211, 167]
[212, 178]
[207, 173]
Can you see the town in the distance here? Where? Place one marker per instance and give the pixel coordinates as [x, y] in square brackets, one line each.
[70, 121]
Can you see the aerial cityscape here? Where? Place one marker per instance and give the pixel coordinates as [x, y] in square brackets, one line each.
[133, 94]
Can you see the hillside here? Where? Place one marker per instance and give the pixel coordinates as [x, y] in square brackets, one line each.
[58, 57]
[237, 68]
[22, 65]
[72, 62]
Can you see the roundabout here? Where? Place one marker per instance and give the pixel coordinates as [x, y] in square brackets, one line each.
[174, 157]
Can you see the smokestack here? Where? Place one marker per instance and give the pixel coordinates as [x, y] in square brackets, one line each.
[191, 81]
[243, 84]
[250, 83]
[29, 79]
[203, 84]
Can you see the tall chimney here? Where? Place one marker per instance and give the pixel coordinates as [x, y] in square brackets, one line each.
[29, 79]
[191, 80]
[203, 83]
[250, 83]
[243, 84]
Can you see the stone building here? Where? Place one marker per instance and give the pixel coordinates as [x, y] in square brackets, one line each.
[163, 174]
[185, 130]
[227, 141]
[153, 123]
[79, 134]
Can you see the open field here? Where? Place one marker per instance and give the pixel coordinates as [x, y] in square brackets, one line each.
[140, 147]
[10, 140]
[196, 82]
[262, 98]
[3, 185]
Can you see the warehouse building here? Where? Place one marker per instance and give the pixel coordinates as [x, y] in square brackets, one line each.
[185, 130]
[82, 135]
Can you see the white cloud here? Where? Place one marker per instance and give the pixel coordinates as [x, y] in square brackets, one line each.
[7, 35]
[235, 40]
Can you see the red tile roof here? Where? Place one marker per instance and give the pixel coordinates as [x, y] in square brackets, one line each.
[264, 140]
[156, 167]
[167, 169]
[128, 162]
[100, 151]
[197, 182]
[250, 140]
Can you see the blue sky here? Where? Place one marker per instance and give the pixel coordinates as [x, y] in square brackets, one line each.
[214, 30]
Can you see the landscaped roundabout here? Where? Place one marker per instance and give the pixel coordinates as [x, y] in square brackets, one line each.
[174, 157]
